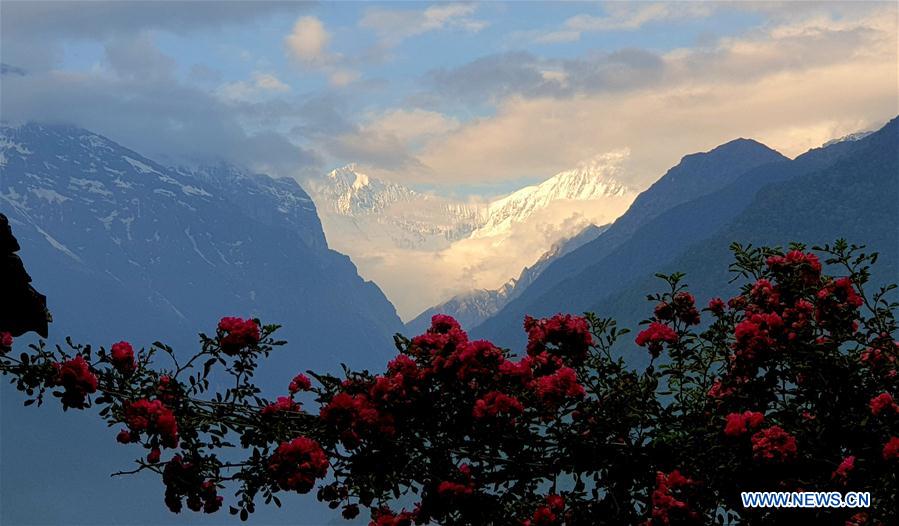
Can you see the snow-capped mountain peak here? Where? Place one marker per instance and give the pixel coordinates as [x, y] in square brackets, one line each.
[590, 181]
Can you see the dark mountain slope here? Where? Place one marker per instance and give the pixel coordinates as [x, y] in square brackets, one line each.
[657, 242]
[857, 198]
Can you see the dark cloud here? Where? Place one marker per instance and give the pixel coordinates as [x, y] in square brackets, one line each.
[98, 20]
[495, 77]
[160, 118]
[31, 31]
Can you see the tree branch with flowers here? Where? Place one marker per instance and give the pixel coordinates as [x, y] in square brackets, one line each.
[788, 386]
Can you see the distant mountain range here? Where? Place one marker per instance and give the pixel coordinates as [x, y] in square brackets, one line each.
[391, 230]
[126, 248]
[703, 204]
[101, 224]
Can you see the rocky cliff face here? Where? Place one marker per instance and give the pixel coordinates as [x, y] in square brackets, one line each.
[23, 309]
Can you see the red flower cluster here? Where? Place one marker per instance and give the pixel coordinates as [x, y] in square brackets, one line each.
[77, 381]
[282, 405]
[837, 306]
[881, 360]
[549, 513]
[236, 334]
[655, 336]
[557, 388]
[183, 479]
[773, 444]
[296, 465]
[682, 307]
[755, 336]
[841, 474]
[796, 264]
[739, 424]
[385, 517]
[891, 449]
[665, 503]
[122, 357]
[299, 383]
[495, 404]
[562, 335]
[154, 418]
[354, 416]
[883, 402]
[716, 306]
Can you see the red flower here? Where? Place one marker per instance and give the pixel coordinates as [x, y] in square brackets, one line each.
[152, 417]
[77, 380]
[773, 444]
[891, 449]
[122, 357]
[654, 336]
[562, 335]
[842, 472]
[883, 402]
[741, 423]
[665, 502]
[837, 306]
[556, 388]
[5, 340]
[299, 383]
[282, 405]
[236, 334]
[354, 416]
[716, 305]
[385, 517]
[805, 266]
[684, 305]
[495, 404]
[548, 514]
[153, 455]
[296, 465]
[126, 437]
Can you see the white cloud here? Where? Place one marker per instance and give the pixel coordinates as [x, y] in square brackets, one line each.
[260, 85]
[393, 26]
[624, 16]
[308, 42]
[269, 82]
[792, 85]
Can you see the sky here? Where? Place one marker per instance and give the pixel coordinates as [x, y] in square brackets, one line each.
[465, 98]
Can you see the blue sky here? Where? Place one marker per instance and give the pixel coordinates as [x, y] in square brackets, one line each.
[461, 97]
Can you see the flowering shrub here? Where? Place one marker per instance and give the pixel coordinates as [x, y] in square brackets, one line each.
[787, 386]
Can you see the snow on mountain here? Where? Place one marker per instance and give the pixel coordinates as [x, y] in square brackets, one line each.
[158, 252]
[591, 181]
[423, 248]
[848, 138]
[357, 209]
